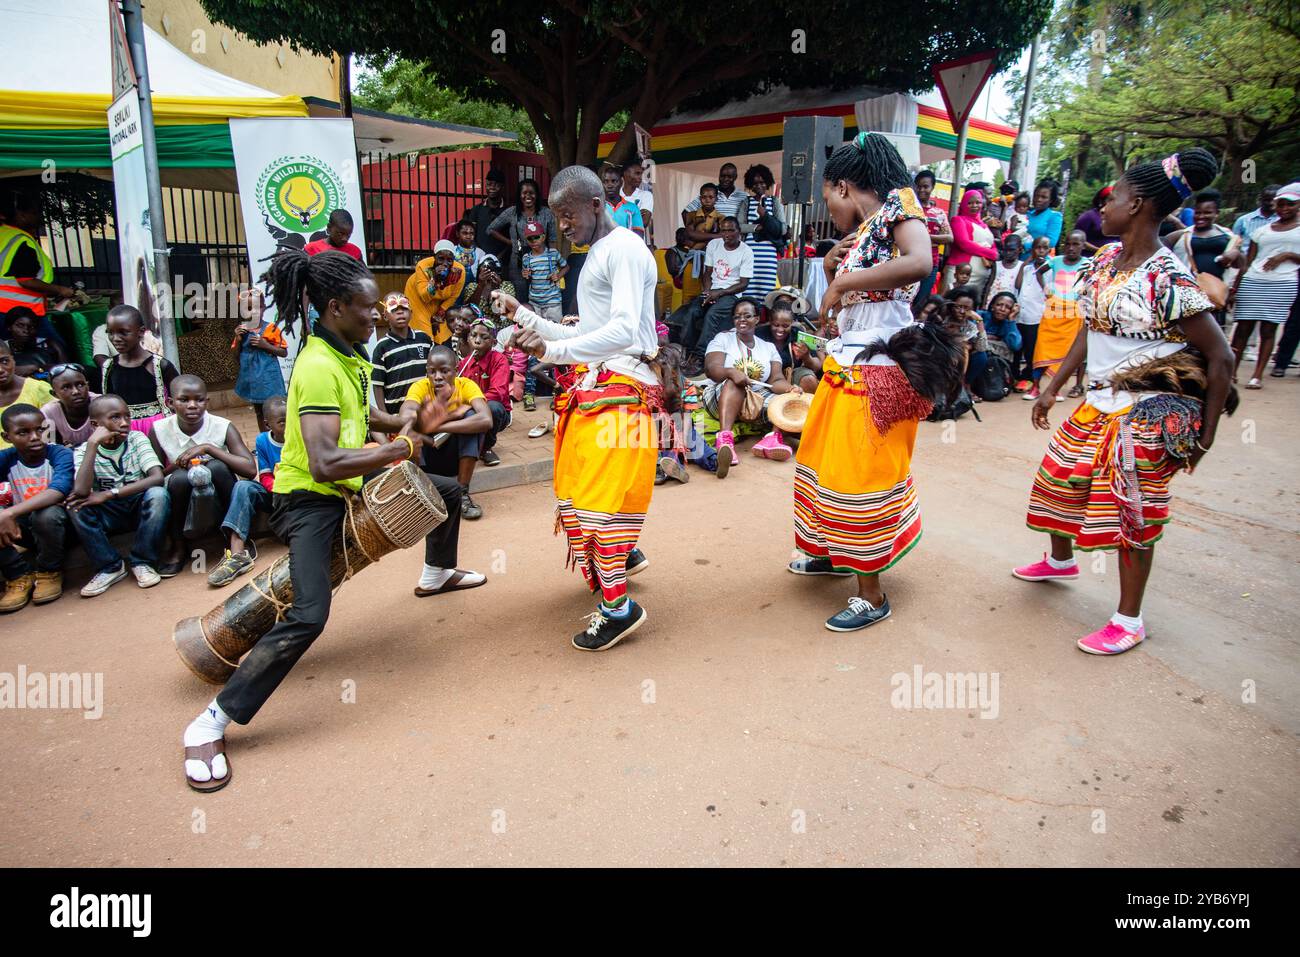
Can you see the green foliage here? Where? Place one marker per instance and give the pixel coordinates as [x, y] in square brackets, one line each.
[575, 67]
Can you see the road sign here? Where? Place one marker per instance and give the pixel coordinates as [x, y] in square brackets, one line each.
[123, 70]
[960, 82]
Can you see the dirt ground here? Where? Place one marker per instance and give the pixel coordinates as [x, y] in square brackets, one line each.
[733, 729]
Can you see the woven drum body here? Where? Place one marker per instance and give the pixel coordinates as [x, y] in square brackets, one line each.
[395, 510]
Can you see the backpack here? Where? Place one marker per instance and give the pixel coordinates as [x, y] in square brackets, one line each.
[952, 410]
[994, 383]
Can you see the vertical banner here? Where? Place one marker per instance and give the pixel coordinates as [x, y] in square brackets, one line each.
[131, 190]
[292, 174]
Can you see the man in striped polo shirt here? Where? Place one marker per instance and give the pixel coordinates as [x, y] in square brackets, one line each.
[400, 356]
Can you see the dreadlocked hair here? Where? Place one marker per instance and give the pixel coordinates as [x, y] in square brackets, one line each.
[869, 162]
[1150, 181]
[325, 276]
[929, 355]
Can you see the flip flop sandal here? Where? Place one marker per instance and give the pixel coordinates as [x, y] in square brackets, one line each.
[205, 753]
[1254, 384]
[537, 431]
[451, 584]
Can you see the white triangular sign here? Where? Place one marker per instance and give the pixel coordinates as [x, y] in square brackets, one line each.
[960, 82]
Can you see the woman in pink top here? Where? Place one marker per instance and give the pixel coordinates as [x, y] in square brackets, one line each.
[972, 241]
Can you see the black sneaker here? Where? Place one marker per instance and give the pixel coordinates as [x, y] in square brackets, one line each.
[490, 458]
[660, 477]
[636, 561]
[860, 614]
[468, 507]
[603, 633]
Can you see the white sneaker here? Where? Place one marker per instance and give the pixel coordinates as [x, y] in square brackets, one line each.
[103, 581]
[145, 575]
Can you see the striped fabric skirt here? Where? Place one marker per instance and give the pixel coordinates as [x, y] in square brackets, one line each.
[765, 275]
[1056, 333]
[606, 446]
[1263, 300]
[854, 501]
[1074, 491]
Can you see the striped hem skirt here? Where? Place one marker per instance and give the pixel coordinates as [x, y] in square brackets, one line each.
[1073, 492]
[854, 501]
[1262, 300]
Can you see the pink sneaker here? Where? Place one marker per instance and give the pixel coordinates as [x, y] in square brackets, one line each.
[772, 446]
[727, 457]
[1112, 640]
[1043, 571]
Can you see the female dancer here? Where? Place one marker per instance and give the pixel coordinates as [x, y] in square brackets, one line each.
[1159, 369]
[855, 510]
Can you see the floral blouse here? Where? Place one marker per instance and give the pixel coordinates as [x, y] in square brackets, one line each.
[876, 245]
[1145, 302]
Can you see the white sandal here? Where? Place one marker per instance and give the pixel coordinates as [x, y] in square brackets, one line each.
[1254, 384]
[537, 431]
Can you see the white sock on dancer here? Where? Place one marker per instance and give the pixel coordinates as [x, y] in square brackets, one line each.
[1131, 625]
[1068, 563]
[435, 577]
[210, 725]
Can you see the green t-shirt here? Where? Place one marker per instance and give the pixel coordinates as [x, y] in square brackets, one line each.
[325, 381]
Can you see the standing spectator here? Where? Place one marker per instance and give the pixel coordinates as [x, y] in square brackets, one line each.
[728, 199]
[337, 233]
[1062, 319]
[1247, 223]
[26, 271]
[261, 345]
[1266, 287]
[764, 230]
[433, 288]
[1206, 248]
[67, 416]
[543, 268]
[1005, 271]
[633, 191]
[400, 356]
[118, 487]
[102, 350]
[972, 242]
[509, 228]
[468, 254]
[1044, 217]
[625, 212]
[936, 221]
[18, 389]
[1018, 220]
[1031, 300]
[483, 214]
[999, 210]
[40, 477]
[140, 378]
[1089, 222]
[728, 268]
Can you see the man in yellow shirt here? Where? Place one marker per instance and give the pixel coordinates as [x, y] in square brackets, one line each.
[434, 288]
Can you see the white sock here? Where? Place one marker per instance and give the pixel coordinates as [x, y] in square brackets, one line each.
[210, 725]
[1068, 563]
[1130, 625]
[435, 577]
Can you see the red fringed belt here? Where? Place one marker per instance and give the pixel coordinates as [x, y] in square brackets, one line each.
[891, 397]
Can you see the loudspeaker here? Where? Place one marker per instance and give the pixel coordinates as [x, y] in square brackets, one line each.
[807, 143]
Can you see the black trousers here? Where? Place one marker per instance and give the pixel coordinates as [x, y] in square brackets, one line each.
[441, 544]
[569, 301]
[706, 322]
[309, 523]
[178, 489]
[1024, 369]
[1290, 338]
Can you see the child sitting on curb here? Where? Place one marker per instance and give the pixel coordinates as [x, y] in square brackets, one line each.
[39, 477]
[248, 498]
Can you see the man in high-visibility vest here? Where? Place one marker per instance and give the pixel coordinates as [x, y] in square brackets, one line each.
[26, 272]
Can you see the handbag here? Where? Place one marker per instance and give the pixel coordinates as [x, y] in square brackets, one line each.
[1215, 289]
[751, 410]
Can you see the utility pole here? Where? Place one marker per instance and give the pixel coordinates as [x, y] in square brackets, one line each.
[133, 21]
[1018, 150]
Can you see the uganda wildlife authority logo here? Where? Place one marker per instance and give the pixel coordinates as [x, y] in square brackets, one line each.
[298, 193]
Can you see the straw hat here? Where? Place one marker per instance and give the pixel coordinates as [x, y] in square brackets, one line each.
[800, 304]
[789, 410]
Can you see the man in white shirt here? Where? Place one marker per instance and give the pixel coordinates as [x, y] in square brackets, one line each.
[728, 268]
[606, 441]
[633, 191]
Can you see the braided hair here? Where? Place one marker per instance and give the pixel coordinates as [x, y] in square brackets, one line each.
[1160, 180]
[869, 162]
[325, 276]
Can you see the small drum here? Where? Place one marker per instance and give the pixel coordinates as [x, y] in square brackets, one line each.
[395, 510]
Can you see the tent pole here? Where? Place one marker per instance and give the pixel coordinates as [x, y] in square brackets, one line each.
[133, 20]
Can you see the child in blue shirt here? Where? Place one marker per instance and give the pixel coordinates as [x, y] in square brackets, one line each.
[248, 498]
[39, 477]
[543, 268]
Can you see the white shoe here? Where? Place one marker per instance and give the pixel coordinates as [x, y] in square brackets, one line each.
[145, 575]
[103, 581]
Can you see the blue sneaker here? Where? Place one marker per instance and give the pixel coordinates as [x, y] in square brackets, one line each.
[858, 615]
[816, 566]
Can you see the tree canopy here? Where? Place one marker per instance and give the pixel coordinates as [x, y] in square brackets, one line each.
[571, 65]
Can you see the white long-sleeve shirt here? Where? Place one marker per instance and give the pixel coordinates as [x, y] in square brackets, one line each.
[616, 310]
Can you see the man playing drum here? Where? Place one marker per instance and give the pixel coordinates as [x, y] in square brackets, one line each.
[329, 418]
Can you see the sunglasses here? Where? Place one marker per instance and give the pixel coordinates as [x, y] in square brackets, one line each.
[63, 367]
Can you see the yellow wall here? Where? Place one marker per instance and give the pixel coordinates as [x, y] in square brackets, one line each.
[273, 67]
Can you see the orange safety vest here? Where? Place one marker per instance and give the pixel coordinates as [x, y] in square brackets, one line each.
[12, 239]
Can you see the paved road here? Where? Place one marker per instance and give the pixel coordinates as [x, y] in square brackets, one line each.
[734, 729]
